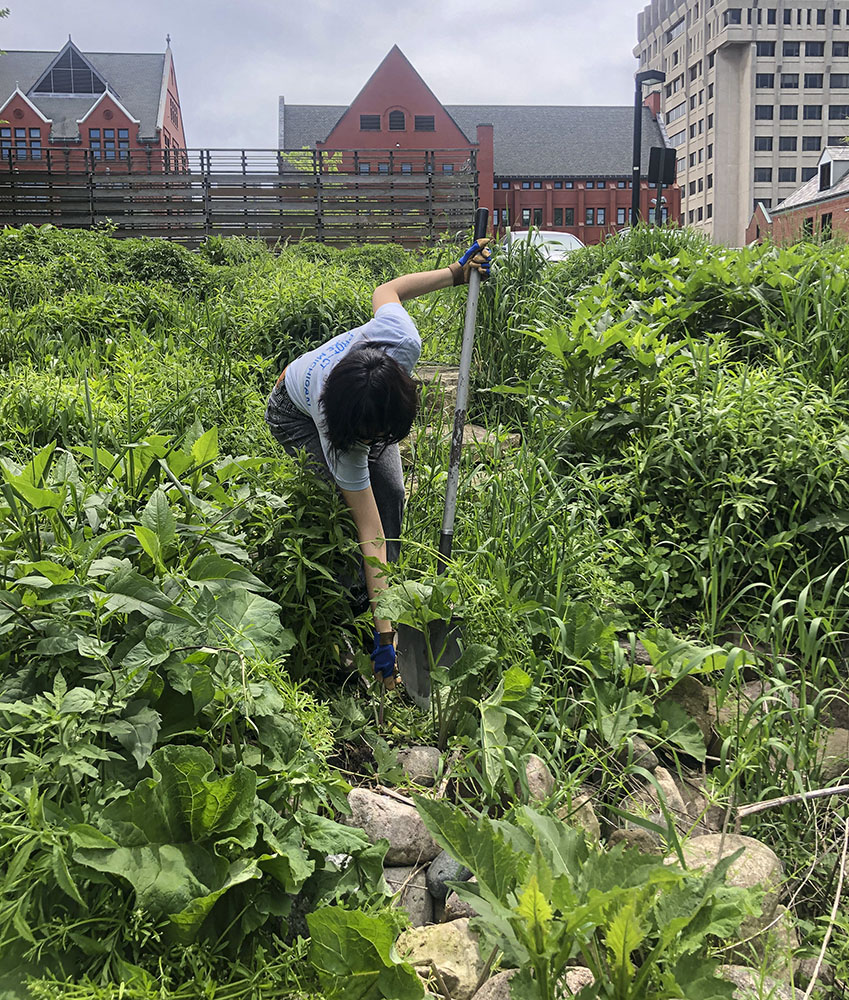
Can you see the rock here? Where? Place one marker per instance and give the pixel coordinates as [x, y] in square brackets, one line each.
[574, 979]
[444, 869]
[834, 755]
[806, 969]
[640, 654]
[455, 908]
[477, 441]
[540, 779]
[497, 988]
[452, 948]
[706, 817]
[835, 710]
[420, 764]
[639, 839]
[440, 388]
[692, 696]
[414, 897]
[751, 985]
[383, 816]
[643, 755]
[758, 865]
[579, 813]
[646, 802]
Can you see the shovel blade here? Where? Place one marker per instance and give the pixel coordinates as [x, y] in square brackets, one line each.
[413, 661]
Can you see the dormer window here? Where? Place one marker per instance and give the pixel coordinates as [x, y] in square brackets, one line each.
[825, 176]
[397, 121]
[70, 74]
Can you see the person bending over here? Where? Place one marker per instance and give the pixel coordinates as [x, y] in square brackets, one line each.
[349, 402]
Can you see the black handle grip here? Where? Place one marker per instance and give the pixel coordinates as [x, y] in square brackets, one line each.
[481, 223]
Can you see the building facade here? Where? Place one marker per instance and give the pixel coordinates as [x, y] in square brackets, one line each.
[554, 167]
[752, 97]
[70, 109]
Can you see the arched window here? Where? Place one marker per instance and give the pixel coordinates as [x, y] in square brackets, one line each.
[397, 121]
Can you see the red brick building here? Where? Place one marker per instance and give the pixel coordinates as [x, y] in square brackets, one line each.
[816, 210]
[71, 108]
[555, 167]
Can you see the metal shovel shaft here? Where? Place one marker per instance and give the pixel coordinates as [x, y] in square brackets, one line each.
[446, 536]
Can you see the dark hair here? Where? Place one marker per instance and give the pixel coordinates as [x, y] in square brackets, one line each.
[368, 397]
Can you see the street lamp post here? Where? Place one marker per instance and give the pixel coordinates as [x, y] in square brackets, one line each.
[647, 76]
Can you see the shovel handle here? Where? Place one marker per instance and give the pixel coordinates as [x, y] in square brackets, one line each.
[446, 536]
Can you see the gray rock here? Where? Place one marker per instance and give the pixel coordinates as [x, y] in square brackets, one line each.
[444, 869]
[646, 802]
[383, 816]
[420, 764]
[411, 890]
[456, 908]
[574, 979]
[540, 779]
[643, 755]
[638, 839]
[497, 988]
[579, 813]
[751, 985]
[834, 755]
[452, 948]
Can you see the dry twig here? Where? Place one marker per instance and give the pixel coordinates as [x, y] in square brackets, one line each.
[786, 800]
[833, 917]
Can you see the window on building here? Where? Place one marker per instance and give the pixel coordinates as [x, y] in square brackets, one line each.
[600, 216]
[495, 218]
[790, 49]
[620, 216]
[70, 74]
[383, 168]
[711, 60]
[815, 49]
[406, 168]
[691, 215]
[693, 103]
[835, 17]
[692, 189]
[763, 143]
[812, 112]
[94, 142]
[710, 91]
[808, 173]
[590, 185]
[764, 81]
[538, 217]
[601, 184]
[840, 50]
[821, 15]
[788, 112]
[790, 81]
[770, 15]
[839, 81]
[710, 211]
[835, 140]
[693, 131]
[621, 184]
[558, 185]
[505, 213]
[569, 217]
[710, 151]
[505, 185]
[825, 225]
[569, 185]
[763, 112]
[763, 175]
[699, 214]
[837, 112]
[808, 227]
[813, 81]
[734, 15]
[811, 143]
[825, 176]
[787, 143]
[589, 216]
[709, 181]
[786, 175]
[558, 216]
[424, 123]
[448, 168]
[692, 160]
[710, 121]
[537, 185]
[788, 16]
[369, 123]
[765, 48]
[526, 216]
[397, 121]
[679, 138]
[365, 168]
[701, 184]
[526, 185]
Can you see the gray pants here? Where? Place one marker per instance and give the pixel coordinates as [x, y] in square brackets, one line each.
[296, 431]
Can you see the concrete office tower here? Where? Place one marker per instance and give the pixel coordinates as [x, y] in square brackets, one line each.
[752, 96]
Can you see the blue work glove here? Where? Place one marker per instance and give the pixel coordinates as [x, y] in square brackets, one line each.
[477, 257]
[384, 659]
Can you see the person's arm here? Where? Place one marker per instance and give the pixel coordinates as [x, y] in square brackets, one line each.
[372, 544]
[410, 286]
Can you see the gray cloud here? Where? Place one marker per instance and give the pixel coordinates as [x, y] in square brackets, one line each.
[235, 58]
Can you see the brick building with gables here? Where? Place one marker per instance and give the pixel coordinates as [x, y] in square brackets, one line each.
[72, 108]
[555, 167]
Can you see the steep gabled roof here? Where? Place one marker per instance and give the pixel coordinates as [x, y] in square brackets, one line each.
[135, 77]
[530, 140]
[809, 193]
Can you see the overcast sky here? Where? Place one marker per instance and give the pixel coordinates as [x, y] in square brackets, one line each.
[234, 59]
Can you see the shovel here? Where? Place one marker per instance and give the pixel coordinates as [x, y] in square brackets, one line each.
[443, 636]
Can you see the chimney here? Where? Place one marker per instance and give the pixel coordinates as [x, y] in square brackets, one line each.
[652, 102]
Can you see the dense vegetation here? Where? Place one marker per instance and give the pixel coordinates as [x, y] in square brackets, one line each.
[177, 728]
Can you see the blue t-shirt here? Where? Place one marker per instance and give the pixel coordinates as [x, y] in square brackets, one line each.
[391, 329]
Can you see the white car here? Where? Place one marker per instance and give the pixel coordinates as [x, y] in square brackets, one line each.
[551, 244]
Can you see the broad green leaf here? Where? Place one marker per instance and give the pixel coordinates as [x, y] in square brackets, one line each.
[251, 624]
[563, 847]
[625, 933]
[84, 835]
[77, 701]
[158, 518]
[205, 449]
[355, 956]
[534, 908]
[517, 683]
[203, 689]
[39, 499]
[218, 574]
[137, 731]
[149, 541]
[52, 570]
[680, 729]
[63, 876]
[697, 979]
[493, 732]
[477, 844]
[188, 921]
[127, 591]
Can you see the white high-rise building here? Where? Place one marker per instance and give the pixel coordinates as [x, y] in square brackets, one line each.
[753, 94]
